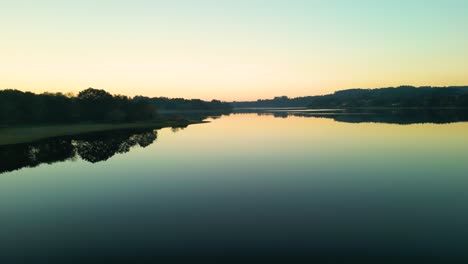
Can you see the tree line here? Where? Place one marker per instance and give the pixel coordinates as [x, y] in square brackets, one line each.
[90, 105]
[403, 96]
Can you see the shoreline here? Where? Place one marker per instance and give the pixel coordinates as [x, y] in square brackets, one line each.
[28, 134]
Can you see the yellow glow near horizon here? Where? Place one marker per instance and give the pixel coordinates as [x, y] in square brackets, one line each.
[231, 51]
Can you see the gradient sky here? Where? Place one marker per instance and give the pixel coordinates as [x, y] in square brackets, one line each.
[231, 50]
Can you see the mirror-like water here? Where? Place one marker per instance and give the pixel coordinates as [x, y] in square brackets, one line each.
[243, 183]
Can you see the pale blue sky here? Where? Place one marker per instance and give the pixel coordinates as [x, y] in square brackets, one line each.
[231, 49]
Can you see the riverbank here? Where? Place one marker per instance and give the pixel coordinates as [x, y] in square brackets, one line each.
[27, 134]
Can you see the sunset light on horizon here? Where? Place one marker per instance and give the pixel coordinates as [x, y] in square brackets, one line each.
[231, 50]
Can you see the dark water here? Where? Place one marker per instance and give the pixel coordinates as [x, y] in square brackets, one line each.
[243, 185]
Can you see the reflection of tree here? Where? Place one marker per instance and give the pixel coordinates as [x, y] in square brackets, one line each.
[280, 114]
[144, 139]
[403, 116]
[31, 155]
[102, 147]
[92, 148]
[97, 150]
[51, 151]
[391, 116]
[176, 129]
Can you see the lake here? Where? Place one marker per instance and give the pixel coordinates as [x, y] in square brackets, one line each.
[246, 184]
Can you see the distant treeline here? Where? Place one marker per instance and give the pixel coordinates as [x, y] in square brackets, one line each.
[90, 105]
[180, 104]
[403, 96]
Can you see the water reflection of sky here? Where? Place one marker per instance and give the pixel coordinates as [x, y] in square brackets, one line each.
[248, 181]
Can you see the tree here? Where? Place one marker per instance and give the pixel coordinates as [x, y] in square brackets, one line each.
[92, 94]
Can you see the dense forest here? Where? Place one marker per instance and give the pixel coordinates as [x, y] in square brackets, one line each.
[403, 96]
[90, 105]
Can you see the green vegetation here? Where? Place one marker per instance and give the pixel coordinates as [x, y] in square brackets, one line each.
[400, 97]
[27, 117]
[93, 105]
[26, 134]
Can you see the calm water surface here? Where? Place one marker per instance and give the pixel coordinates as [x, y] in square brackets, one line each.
[245, 184]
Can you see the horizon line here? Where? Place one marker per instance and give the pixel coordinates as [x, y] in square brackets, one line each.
[244, 100]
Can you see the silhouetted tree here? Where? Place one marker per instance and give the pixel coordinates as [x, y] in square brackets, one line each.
[93, 105]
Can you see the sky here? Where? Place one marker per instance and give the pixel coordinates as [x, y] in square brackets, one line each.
[231, 50]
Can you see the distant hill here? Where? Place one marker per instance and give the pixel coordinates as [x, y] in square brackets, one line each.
[403, 96]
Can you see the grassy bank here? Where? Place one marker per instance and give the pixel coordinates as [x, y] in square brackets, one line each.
[26, 134]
